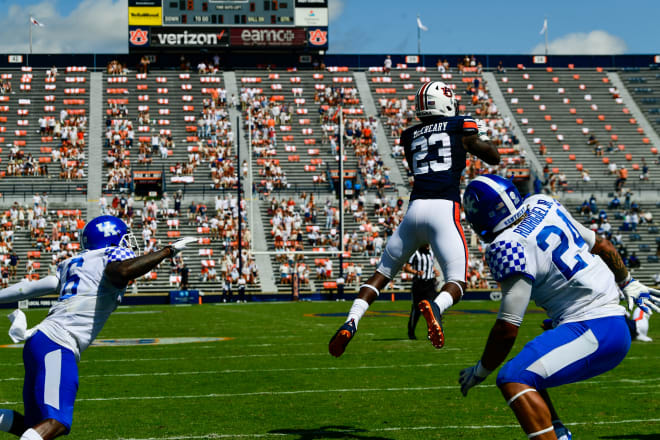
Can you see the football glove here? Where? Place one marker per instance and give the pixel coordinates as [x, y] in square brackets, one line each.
[181, 244]
[637, 294]
[341, 338]
[472, 376]
[483, 130]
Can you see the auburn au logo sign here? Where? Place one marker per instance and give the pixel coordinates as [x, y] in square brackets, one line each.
[138, 37]
[318, 37]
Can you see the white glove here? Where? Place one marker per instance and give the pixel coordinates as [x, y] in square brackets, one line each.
[637, 294]
[483, 130]
[472, 376]
[181, 244]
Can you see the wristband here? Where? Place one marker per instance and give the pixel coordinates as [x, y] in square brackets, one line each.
[629, 279]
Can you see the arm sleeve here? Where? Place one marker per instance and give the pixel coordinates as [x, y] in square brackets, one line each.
[516, 293]
[586, 233]
[119, 254]
[470, 126]
[29, 289]
[507, 258]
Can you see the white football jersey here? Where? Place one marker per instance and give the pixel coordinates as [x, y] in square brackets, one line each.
[87, 298]
[569, 282]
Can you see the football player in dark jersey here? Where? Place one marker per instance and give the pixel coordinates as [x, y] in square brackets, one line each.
[436, 150]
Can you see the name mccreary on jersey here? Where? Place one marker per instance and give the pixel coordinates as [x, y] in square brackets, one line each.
[534, 218]
[438, 126]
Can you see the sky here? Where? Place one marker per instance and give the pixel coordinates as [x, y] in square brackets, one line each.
[377, 26]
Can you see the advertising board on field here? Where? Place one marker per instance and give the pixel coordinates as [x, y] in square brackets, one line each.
[268, 37]
[145, 16]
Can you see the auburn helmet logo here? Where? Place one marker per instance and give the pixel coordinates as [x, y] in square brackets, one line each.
[138, 37]
[318, 37]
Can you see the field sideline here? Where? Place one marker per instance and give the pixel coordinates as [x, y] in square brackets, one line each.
[272, 377]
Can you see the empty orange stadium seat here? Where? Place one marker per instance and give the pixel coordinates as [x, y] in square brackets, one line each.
[548, 160]
[628, 156]
[646, 140]
[635, 166]
[579, 166]
[571, 156]
[654, 150]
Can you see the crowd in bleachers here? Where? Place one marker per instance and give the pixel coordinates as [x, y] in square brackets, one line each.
[157, 223]
[265, 117]
[53, 232]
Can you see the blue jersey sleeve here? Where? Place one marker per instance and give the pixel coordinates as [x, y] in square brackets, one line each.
[507, 258]
[118, 254]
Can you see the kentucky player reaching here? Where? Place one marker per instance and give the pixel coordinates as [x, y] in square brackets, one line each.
[90, 286]
[436, 150]
[538, 251]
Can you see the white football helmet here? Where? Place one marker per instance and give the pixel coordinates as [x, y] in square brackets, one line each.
[435, 98]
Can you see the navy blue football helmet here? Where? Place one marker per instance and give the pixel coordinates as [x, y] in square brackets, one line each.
[106, 231]
[492, 203]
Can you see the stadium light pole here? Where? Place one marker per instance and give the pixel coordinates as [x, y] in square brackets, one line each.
[250, 178]
[341, 192]
[240, 229]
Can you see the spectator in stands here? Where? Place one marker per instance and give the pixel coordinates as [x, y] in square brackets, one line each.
[645, 171]
[621, 181]
[387, 65]
[634, 262]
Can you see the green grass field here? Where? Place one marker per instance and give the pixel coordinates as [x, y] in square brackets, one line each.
[275, 378]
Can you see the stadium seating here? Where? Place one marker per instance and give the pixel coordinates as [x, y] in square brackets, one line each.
[577, 118]
[38, 111]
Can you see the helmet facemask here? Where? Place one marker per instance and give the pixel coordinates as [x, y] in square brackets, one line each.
[129, 241]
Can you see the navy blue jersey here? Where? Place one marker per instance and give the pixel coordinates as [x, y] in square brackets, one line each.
[434, 151]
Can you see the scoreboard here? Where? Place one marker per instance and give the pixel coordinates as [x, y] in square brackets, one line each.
[181, 24]
[229, 12]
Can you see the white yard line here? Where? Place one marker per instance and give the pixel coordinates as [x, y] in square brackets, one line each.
[310, 391]
[391, 429]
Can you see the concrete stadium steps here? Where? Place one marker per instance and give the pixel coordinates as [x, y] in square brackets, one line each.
[644, 241]
[171, 97]
[32, 97]
[537, 99]
[278, 87]
[644, 87]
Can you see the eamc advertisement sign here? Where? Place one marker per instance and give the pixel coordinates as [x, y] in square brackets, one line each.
[268, 37]
[196, 37]
[145, 16]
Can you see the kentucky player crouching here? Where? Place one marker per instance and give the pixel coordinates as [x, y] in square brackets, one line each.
[436, 150]
[90, 286]
[536, 250]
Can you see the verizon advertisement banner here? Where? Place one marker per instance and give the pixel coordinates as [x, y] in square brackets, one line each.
[267, 37]
[201, 37]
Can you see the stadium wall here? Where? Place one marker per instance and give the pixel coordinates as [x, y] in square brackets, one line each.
[261, 59]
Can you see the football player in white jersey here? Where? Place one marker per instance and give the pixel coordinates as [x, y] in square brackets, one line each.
[90, 286]
[536, 250]
[436, 149]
